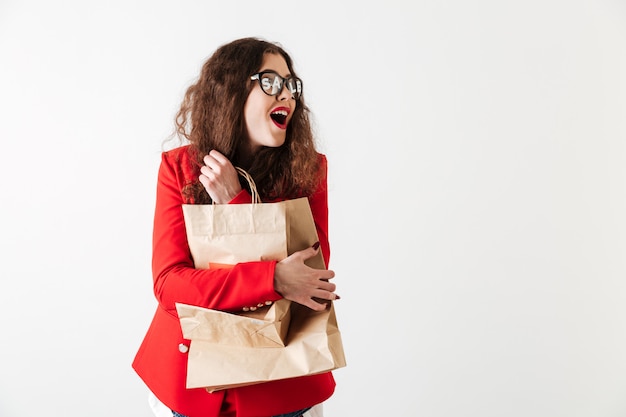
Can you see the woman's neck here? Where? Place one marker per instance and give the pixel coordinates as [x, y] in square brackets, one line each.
[245, 156]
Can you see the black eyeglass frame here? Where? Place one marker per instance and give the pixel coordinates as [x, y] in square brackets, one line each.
[294, 94]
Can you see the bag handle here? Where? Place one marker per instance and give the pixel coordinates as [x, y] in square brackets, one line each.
[256, 199]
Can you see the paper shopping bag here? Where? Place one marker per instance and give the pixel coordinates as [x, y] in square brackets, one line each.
[221, 235]
[265, 327]
[313, 346]
[280, 341]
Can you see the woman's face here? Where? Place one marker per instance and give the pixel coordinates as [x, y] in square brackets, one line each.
[267, 117]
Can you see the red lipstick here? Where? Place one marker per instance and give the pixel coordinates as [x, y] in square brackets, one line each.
[279, 116]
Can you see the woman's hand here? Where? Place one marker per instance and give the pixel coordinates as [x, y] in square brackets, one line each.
[298, 282]
[219, 177]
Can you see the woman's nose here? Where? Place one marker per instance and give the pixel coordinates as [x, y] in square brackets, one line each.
[285, 93]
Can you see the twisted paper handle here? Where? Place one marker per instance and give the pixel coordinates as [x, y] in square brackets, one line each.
[256, 199]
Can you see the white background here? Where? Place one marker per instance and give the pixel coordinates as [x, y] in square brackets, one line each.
[477, 196]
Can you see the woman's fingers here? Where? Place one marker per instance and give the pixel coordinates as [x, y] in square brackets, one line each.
[298, 282]
[219, 177]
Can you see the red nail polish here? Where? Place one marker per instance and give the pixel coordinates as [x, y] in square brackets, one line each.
[316, 245]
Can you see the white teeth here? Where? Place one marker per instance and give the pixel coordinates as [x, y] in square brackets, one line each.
[283, 112]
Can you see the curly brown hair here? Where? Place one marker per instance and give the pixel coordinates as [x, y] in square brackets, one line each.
[211, 116]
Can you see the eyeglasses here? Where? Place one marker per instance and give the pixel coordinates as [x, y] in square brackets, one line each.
[272, 84]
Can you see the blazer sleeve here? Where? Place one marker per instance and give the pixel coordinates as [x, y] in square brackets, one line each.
[174, 275]
[319, 208]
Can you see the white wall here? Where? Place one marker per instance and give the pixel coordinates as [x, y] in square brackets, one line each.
[477, 196]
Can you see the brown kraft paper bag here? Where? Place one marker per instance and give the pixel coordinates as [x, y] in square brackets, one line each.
[280, 341]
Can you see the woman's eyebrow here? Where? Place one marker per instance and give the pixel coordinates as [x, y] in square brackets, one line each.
[273, 70]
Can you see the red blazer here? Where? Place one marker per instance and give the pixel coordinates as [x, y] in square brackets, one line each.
[161, 361]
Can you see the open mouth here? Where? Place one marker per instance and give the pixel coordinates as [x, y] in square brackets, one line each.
[279, 117]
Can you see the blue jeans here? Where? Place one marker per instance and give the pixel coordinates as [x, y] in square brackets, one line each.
[294, 414]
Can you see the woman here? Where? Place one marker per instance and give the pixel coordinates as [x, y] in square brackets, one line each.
[246, 110]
